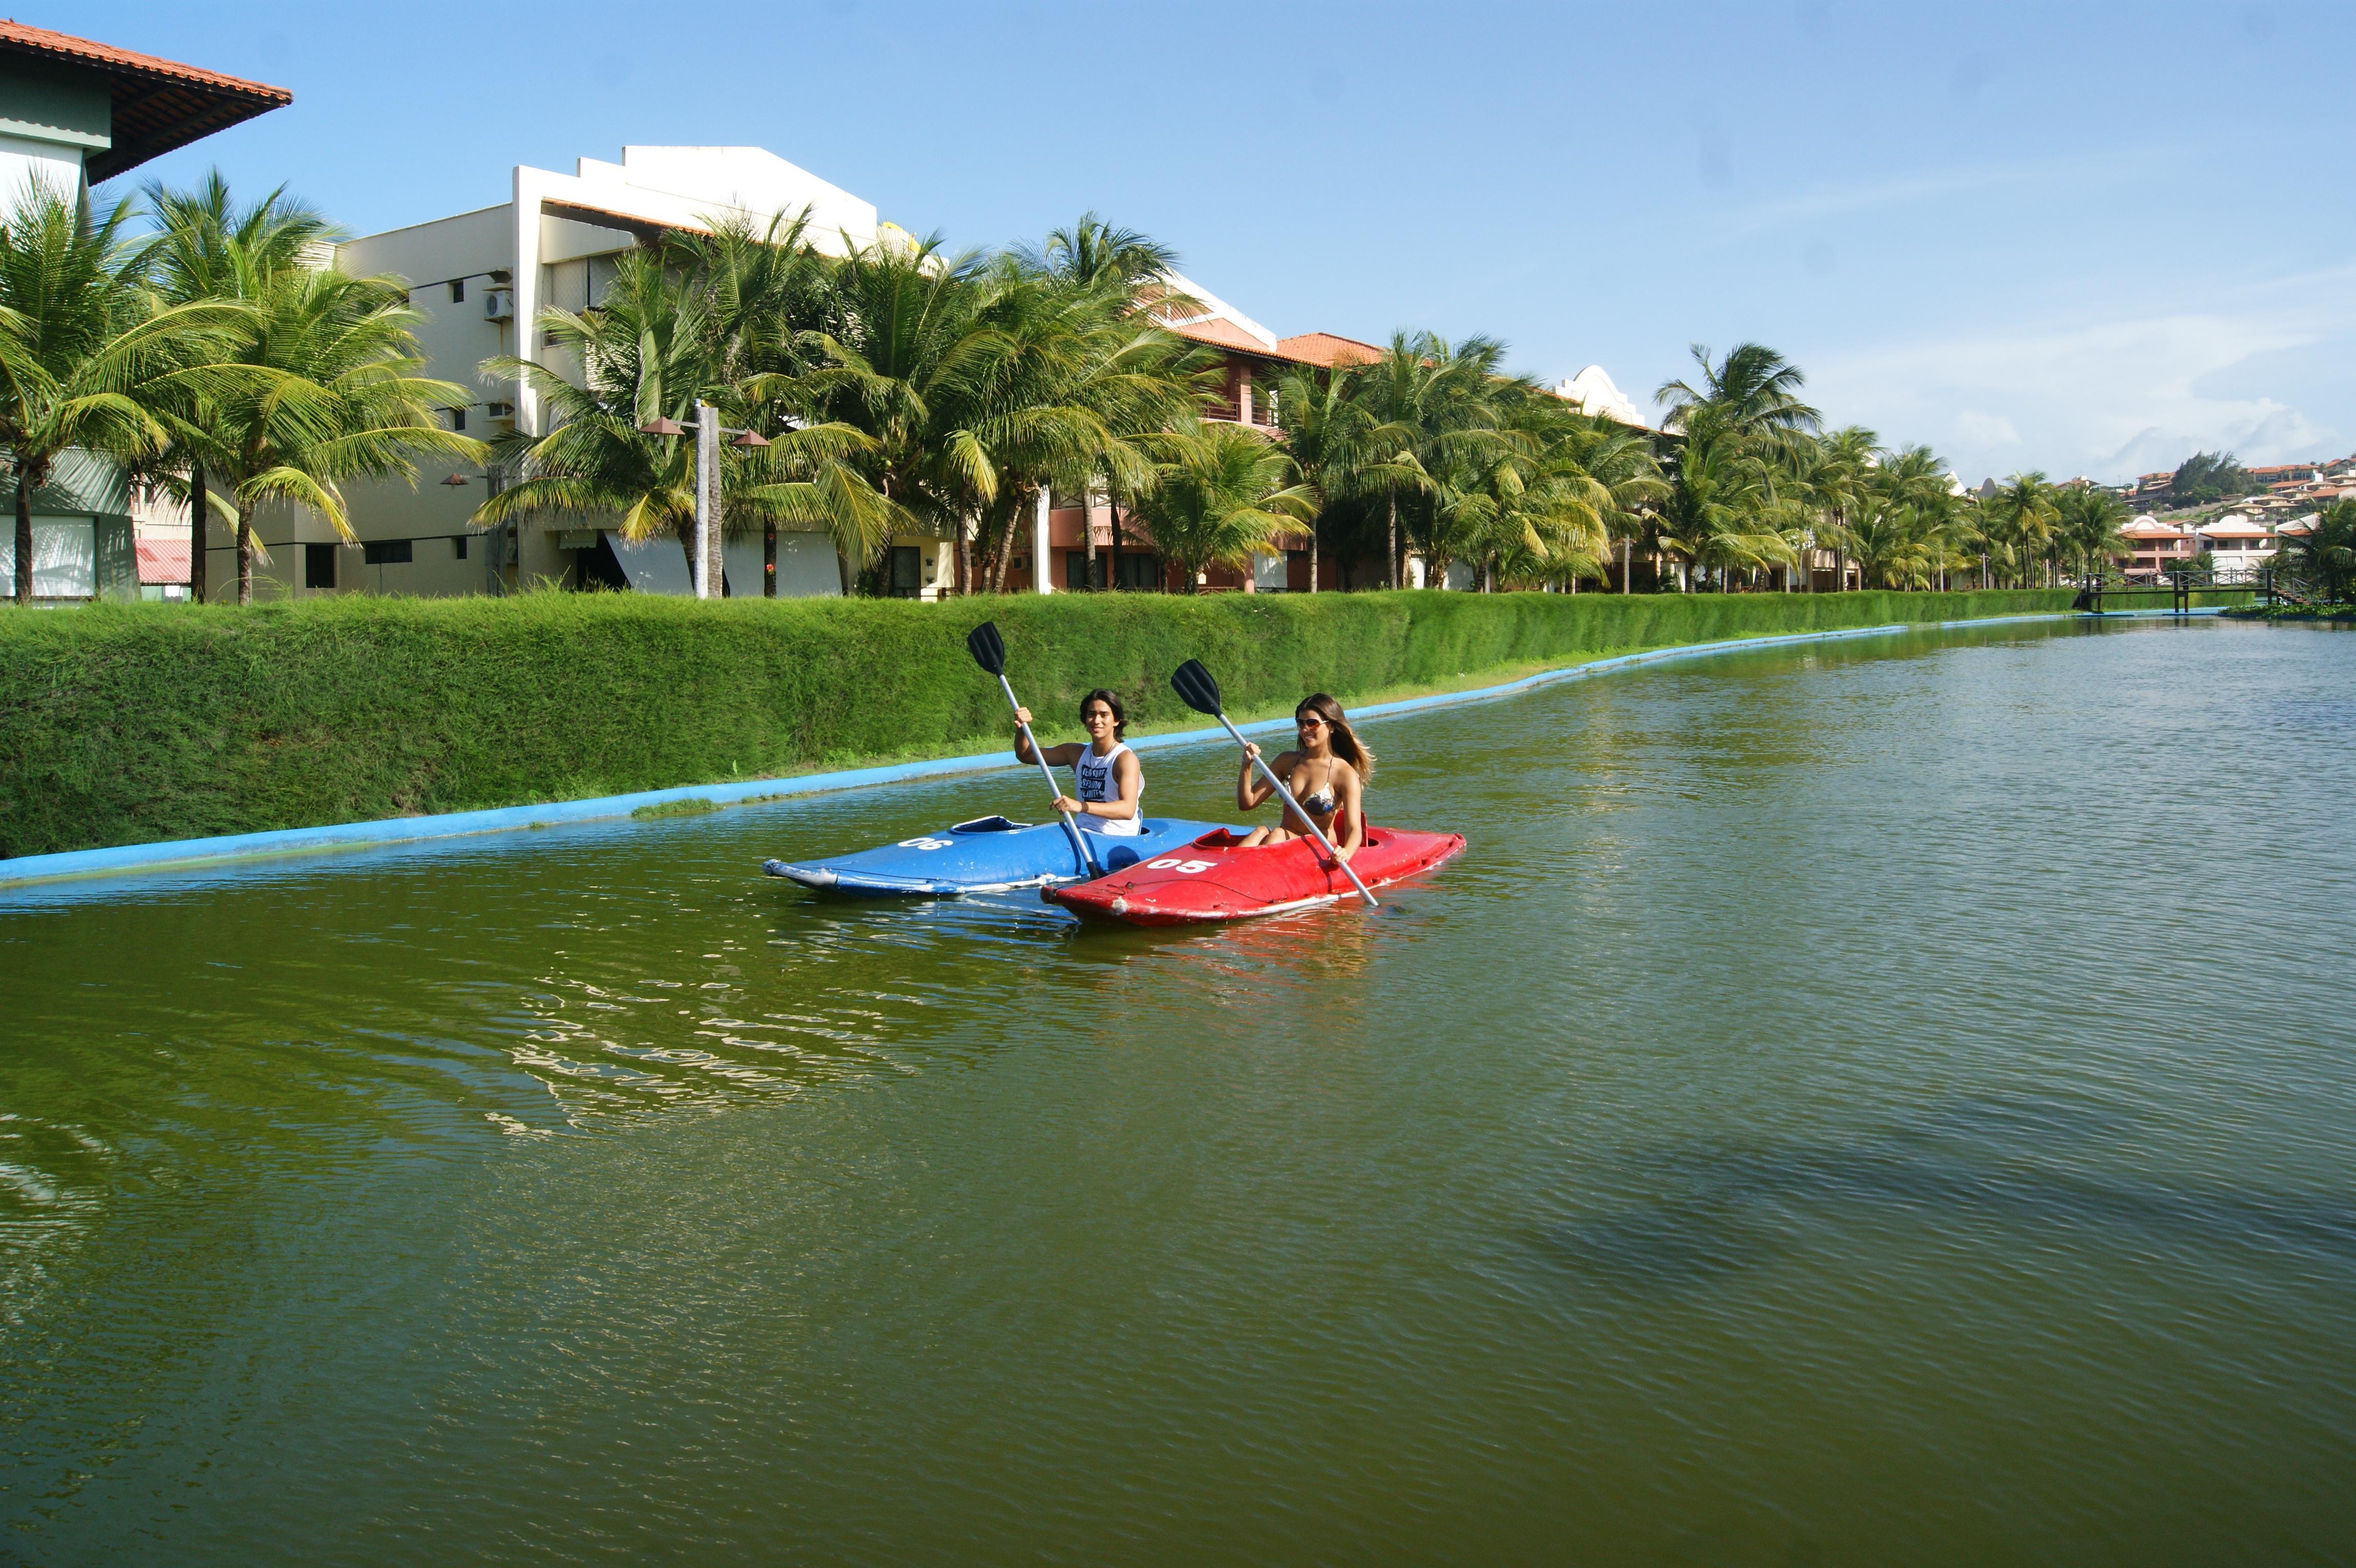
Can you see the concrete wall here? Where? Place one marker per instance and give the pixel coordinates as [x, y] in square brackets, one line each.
[51, 117]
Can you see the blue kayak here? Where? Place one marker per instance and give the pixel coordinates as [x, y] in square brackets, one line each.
[988, 854]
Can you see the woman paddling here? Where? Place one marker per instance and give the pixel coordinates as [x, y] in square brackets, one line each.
[1111, 785]
[1327, 772]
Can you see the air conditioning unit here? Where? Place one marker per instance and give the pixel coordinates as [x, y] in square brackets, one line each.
[498, 304]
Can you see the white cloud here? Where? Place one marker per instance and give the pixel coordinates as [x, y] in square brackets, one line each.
[1824, 201]
[2111, 399]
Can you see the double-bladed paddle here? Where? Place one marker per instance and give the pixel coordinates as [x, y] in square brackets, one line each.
[989, 650]
[1197, 689]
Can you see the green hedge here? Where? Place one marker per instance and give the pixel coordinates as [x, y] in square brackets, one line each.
[130, 724]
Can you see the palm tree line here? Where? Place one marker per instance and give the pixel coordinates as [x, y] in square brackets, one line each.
[210, 356]
[901, 390]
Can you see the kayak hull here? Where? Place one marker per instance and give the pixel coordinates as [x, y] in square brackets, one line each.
[1213, 879]
[988, 854]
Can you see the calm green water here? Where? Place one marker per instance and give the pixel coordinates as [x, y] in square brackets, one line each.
[1887, 1102]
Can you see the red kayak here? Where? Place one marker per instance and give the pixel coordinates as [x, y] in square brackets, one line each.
[1212, 879]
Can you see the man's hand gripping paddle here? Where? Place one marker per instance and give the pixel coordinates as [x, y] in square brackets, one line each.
[989, 650]
[1199, 691]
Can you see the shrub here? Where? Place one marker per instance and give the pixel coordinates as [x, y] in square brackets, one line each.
[136, 723]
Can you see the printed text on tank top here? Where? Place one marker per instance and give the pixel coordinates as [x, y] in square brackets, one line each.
[1097, 784]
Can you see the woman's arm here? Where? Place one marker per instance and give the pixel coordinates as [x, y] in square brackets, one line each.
[1056, 755]
[1251, 790]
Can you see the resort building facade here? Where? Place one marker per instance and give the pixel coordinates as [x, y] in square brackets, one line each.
[480, 278]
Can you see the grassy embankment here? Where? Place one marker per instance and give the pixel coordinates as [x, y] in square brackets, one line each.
[133, 723]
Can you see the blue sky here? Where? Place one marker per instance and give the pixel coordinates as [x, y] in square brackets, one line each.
[2085, 240]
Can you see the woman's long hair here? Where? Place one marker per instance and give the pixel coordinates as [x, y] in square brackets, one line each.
[1345, 740]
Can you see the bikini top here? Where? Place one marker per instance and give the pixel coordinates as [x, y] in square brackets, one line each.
[1321, 803]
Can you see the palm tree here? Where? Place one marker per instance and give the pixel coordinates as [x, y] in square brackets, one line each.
[343, 400]
[2087, 523]
[2325, 553]
[1751, 396]
[86, 356]
[1221, 494]
[205, 249]
[2023, 513]
[675, 323]
[1838, 492]
[1723, 511]
[1443, 399]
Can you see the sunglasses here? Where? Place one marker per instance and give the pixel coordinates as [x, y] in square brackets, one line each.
[1309, 721]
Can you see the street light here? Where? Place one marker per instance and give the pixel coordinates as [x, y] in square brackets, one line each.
[708, 432]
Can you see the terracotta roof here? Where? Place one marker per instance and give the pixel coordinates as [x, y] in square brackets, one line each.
[159, 104]
[164, 561]
[1327, 348]
[1224, 334]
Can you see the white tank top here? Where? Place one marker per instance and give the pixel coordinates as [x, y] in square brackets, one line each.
[1097, 785]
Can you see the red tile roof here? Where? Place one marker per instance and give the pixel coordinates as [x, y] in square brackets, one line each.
[163, 561]
[1221, 333]
[159, 104]
[1328, 349]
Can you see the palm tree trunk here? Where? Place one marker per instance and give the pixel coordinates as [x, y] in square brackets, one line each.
[996, 552]
[1112, 572]
[24, 538]
[244, 562]
[769, 559]
[1088, 533]
[200, 525]
[1312, 555]
[1392, 555]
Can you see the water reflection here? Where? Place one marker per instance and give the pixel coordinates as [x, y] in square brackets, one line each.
[1794, 1121]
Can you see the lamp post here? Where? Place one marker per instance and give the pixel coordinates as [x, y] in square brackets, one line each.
[708, 431]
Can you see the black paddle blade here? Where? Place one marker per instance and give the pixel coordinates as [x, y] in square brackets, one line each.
[988, 648]
[1196, 688]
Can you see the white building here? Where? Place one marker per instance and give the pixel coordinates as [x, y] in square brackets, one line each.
[481, 278]
[1599, 396]
[2239, 545]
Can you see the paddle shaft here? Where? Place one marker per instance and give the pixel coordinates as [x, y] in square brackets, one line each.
[1270, 774]
[1055, 791]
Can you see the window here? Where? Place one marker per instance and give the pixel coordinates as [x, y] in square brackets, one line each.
[384, 551]
[458, 419]
[457, 291]
[318, 565]
[906, 572]
[458, 547]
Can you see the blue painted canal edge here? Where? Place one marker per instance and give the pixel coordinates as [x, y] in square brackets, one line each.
[182, 853]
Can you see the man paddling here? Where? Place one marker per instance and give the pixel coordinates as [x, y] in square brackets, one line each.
[1109, 781]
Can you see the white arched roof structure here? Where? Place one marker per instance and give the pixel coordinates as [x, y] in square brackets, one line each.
[1596, 394]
